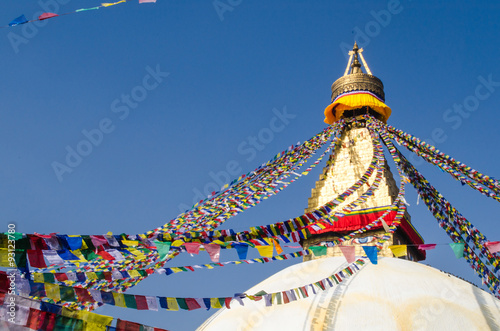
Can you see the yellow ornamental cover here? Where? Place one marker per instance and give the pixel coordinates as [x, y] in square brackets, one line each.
[355, 100]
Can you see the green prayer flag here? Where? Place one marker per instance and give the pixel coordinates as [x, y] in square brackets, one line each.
[458, 249]
[318, 250]
[130, 301]
[20, 257]
[67, 293]
[182, 303]
[163, 249]
[63, 323]
[89, 254]
[49, 278]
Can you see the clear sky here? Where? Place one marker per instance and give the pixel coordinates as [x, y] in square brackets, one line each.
[227, 71]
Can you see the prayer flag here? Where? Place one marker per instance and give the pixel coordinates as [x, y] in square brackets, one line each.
[36, 258]
[214, 251]
[45, 16]
[385, 226]
[371, 252]
[349, 253]
[398, 250]
[152, 303]
[242, 250]
[318, 250]
[163, 249]
[141, 302]
[493, 246]
[265, 251]
[19, 20]
[98, 240]
[458, 249]
[426, 247]
[111, 4]
[192, 248]
[52, 257]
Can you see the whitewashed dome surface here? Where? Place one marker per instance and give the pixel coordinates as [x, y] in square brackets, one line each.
[395, 294]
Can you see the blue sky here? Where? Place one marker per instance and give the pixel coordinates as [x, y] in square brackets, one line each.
[226, 73]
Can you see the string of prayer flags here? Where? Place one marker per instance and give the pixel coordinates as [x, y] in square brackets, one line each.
[458, 249]
[455, 225]
[261, 184]
[35, 315]
[22, 19]
[398, 250]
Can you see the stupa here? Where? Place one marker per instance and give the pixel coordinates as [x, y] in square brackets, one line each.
[395, 293]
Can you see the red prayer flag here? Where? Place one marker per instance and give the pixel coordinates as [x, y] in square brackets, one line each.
[4, 282]
[36, 258]
[105, 255]
[127, 326]
[285, 297]
[83, 295]
[45, 16]
[192, 248]
[227, 301]
[142, 303]
[46, 236]
[37, 242]
[214, 251]
[35, 319]
[98, 240]
[192, 304]
[493, 246]
[61, 277]
[426, 247]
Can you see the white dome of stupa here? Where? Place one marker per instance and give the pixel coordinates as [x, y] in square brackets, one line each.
[394, 294]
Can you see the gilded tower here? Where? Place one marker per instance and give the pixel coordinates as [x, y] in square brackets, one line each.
[354, 94]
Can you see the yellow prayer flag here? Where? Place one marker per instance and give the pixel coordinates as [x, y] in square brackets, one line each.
[95, 322]
[177, 243]
[176, 269]
[398, 250]
[4, 258]
[130, 243]
[38, 277]
[52, 291]
[138, 254]
[111, 4]
[172, 304]
[79, 255]
[91, 275]
[214, 303]
[134, 273]
[67, 312]
[119, 299]
[265, 251]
